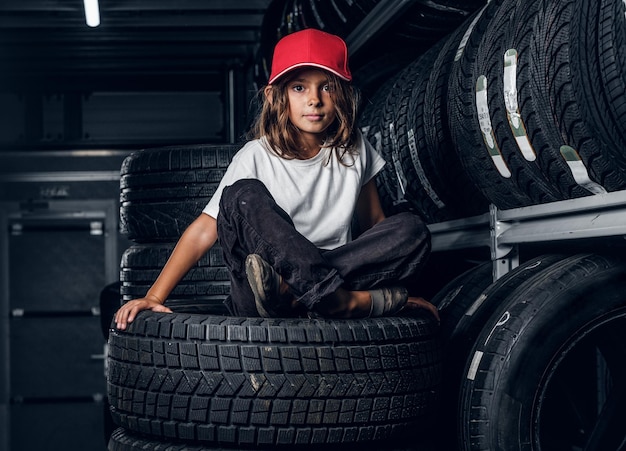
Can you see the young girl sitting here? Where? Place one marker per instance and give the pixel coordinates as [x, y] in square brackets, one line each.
[285, 207]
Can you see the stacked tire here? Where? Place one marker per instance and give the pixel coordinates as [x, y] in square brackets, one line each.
[534, 360]
[522, 104]
[162, 191]
[199, 379]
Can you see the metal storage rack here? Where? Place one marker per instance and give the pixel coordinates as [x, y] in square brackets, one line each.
[601, 215]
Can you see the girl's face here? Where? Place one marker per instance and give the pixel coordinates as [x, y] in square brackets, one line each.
[311, 107]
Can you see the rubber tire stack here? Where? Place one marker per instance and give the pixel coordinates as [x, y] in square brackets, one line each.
[198, 379]
[521, 355]
[522, 106]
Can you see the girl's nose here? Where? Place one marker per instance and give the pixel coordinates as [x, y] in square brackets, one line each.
[315, 99]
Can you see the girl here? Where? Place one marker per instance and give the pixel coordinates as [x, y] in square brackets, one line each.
[285, 206]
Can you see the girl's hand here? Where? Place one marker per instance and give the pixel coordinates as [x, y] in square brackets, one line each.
[127, 313]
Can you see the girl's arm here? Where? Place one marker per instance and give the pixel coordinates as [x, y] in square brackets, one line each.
[368, 209]
[197, 239]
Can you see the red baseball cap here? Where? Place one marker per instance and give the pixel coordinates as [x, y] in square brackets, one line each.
[310, 47]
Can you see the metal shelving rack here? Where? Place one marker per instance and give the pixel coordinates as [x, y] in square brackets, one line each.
[601, 215]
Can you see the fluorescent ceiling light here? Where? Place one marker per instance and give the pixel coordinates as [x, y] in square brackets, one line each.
[92, 13]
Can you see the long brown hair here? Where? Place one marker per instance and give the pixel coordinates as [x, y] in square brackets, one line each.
[273, 122]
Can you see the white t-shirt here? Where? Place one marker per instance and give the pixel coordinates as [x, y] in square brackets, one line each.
[320, 198]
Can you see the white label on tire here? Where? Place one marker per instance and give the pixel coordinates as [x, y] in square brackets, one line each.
[484, 121]
[473, 369]
[512, 108]
[397, 165]
[579, 171]
[419, 170]
[476, 305]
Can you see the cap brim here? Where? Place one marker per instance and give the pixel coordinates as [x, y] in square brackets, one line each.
[296, 66]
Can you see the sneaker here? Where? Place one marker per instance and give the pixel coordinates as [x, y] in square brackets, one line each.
[265, 284]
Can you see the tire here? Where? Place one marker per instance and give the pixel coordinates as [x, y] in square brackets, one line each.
[123, 440]
[163, 190]
[415, 181]
[526, 180]
[466, 307]
[461, 198]
[483, 163]
[612, 58]
[546, 363]
[551, 78]
[204, 287]
[452, 301]
[253, 381]
[520, 38]
[457, 296]
[596, 72]
[371, 126]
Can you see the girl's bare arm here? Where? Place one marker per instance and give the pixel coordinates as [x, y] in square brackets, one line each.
[368, 209]
[197, 239]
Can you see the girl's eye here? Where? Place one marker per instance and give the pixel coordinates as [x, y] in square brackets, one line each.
[298, 88]
[327, 88]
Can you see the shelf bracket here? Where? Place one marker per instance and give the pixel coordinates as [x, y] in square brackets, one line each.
[505, 257]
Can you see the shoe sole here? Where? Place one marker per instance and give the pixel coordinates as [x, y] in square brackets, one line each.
[253, 273]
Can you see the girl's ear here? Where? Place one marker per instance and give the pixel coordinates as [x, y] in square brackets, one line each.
[268, 94]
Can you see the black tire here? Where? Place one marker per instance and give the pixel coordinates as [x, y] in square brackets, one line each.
[397, 127]
[371, 126]
[456, 296]
[466, 307]
[612, 58]
[460, 198]
[253, 381]
[452, 301]
[123, 440]
[371, 76]
[596, 72]
[520, 38]
[547, 370]
[163, 190]
[426, 22]
[477, 306]
[471, 129]
[557, 106]
[205, 286]
[527, 180]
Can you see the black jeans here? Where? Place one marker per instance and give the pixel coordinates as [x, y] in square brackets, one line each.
[250, 222]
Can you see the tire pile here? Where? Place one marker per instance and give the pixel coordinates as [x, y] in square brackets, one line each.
[199, 379]
[534, 360]
[161, 192]
[522, 104]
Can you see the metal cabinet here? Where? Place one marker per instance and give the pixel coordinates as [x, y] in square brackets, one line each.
[55, 258]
